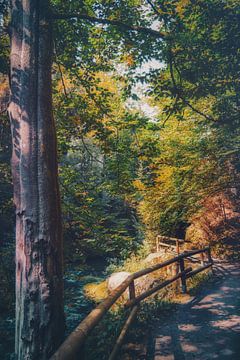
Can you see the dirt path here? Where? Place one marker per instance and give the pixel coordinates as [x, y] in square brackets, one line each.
[208, 326]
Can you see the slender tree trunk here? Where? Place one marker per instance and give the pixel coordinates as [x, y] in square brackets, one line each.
[39, 300]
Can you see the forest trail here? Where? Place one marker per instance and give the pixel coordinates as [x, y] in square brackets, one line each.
[207, 326]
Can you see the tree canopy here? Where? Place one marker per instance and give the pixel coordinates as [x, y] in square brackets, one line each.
[145, 97]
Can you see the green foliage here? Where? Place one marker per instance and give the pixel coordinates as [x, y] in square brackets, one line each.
[100, 343]
[201, 58]
[133, 263]
[100, 223]
[6, 204]
[7, 272]
[190, 162]
[4, 38]
[96, 169]
[6, 208]
[107, 151]
[199, 282]
[118, 168]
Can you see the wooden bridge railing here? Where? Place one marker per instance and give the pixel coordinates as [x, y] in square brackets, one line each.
[72, 346]
[165, 243]
[169, 243]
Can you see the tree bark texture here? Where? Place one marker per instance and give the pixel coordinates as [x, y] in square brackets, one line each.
[39, 291]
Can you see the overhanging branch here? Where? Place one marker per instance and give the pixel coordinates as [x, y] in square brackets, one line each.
[179, 92]
[153, 7]
[118, 23]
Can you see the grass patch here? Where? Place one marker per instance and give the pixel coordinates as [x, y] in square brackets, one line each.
[199, 281]
[96, 292]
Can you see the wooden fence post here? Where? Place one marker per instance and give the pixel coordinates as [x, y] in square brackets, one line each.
[127, 324]
[210, 260]
[157, 243]
[183, 277]
[177, 247]
[209, 255]
[132, 293]
[70, 348]
[175, 271]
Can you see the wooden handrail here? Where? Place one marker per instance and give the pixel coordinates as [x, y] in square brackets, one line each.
[147, 293]
[122, 335]
[190, 258]
[163, 241]
[167, 238]
[71, 347]
[166, 245]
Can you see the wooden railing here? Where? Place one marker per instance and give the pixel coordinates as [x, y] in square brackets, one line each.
[170, 244]
[72, 346]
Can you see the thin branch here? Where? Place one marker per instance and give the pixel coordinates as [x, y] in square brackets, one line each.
[118, 23]
[174, 81]
[171, 111]
[89, 152]
[210, 118]
[178, 91]
[178, 71]
[62, 78]
[60, 71]
[154, 8]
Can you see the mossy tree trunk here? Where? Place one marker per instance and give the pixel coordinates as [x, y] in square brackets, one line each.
[39, 291]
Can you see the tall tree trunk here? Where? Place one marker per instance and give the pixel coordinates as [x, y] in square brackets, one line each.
[39, 300]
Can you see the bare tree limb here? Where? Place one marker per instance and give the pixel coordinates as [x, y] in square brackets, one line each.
[154, 7]
[118, 23]
[171, 111]
[89, 152]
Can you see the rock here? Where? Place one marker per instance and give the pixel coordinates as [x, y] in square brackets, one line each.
[142, 284]
[153, 257]
[116, 279]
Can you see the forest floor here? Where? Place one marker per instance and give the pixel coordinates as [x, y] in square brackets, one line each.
[206, 326]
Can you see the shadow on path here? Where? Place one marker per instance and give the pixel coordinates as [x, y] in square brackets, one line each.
[208, 327]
